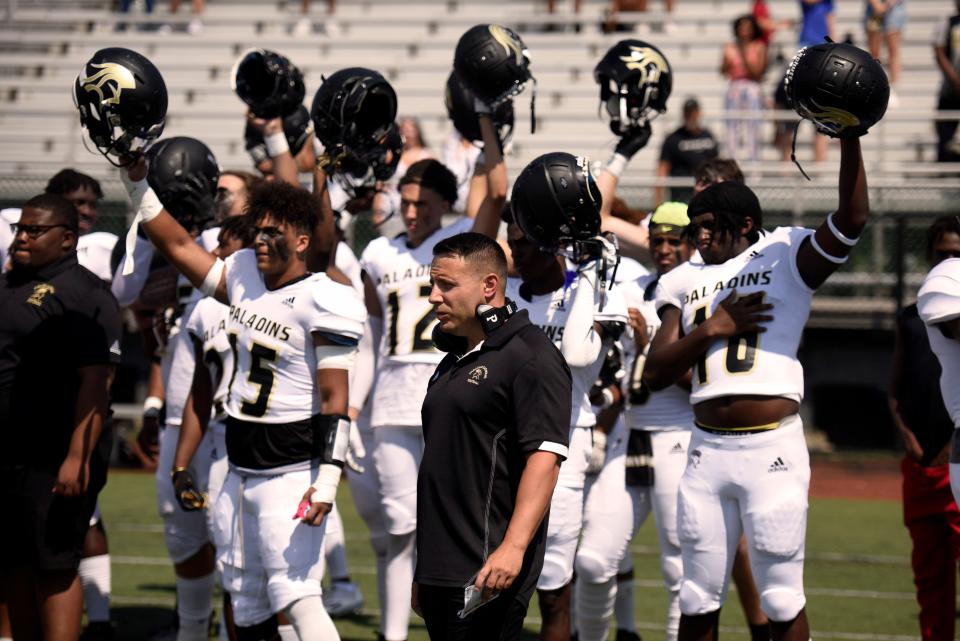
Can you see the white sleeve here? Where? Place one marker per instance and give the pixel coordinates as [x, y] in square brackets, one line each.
[127, 288]
[240, 266]
[581, 343]
[667, 293]
[939, 297]
[338, 312]
[365, 367]
[194, 322]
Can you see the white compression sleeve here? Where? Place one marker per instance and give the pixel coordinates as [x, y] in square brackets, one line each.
[361, 377]
[126, 287]
[582, 344]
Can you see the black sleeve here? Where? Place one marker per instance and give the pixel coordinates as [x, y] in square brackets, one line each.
[669, 150]
[542, 392]
[95, 331]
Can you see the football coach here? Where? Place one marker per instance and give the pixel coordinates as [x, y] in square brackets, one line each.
[495, 427]
[59, 336]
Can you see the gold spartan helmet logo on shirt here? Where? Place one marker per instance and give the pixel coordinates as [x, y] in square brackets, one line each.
[648, 62]
[112, 77]
[39, 292]
[833, 118]
[507, 40]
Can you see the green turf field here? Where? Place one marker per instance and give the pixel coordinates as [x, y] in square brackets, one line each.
[858, 580]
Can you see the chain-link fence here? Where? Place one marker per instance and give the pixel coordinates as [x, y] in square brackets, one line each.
[884, 271]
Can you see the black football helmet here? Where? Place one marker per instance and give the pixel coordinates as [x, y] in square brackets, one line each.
[353, 110]
[122, 100]
[492, 61]
[297, 127]
[269, 83]
[838, 87]
[183, 172]
[635, 81]
[556, 201]
[460, 108]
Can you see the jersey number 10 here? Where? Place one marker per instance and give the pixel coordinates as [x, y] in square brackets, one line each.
[741, 351]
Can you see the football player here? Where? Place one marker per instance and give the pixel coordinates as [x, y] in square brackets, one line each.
[736, 319]
[397, 280]
[293, 336]
[567, 301]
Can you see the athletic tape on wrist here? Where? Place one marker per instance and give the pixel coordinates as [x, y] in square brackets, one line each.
[608, 398]
[328, 477]
[152, 403]
[820, 250]
[839, 235]
[318, 147]
[617, 163]
[276, 144]
[212, 280]
[148, 207]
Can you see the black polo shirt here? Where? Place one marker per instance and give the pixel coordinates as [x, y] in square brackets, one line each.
[53, 321]
[482, 415]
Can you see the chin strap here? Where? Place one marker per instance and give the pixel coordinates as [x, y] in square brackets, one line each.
[533, 107]
[793, 150]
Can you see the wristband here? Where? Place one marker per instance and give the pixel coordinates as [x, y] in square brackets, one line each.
[616, 164]
[152, 403]
[276, 144]
[335, 356]
[212, 280]
[836, 260]
[608, 398]
[318, 147]
[325, 487]
[177, 470]
[839, 235]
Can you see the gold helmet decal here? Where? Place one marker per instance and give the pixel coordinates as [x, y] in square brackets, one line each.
[648, 61]
[507, 41]
[112, 76]
[835, 118]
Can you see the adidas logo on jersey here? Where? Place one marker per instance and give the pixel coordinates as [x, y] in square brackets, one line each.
[677, 449]
[755, 254]
[289, 301]
[778, 466]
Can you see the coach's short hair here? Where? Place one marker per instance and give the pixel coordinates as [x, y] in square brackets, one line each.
[69, 180]
[477, 249]
[433, 174]
[286, 204]
[716, 170]
[62, 209]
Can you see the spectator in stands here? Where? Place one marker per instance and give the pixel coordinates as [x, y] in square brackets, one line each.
[552, 8]
[929, 510]
[233, 188]
[947, 52]
[304, 26]
[769, 26]
[816, 25]
[195, 26]
[885, 20]
[617, 6]
[817, 22]
[683, 151]
[744, 63]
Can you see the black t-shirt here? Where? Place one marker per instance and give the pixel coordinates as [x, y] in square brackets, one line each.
[483, 414]
[918, 395]
[54, 321]
[686, 151]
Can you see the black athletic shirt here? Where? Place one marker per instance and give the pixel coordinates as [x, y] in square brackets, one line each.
[53, 321]
[482, 415]
[686, 151]
[918, 395]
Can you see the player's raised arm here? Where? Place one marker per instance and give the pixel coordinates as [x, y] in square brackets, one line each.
[185, 172]
[487, 220]
[854, 101]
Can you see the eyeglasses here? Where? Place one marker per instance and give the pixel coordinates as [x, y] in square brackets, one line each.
[33, 231]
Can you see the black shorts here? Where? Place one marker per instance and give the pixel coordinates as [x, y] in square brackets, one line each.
[42, 530]
[499, 620]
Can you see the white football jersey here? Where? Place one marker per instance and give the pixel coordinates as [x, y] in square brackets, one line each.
[347, 262]
[176, 370]
[406, 356]
[274, 372]
[93, 252]
[667, 409]
[938, 302]
[763, 364]
[208, 325]
[549, 312]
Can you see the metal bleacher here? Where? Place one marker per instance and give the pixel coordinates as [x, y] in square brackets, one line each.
[44, 43]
